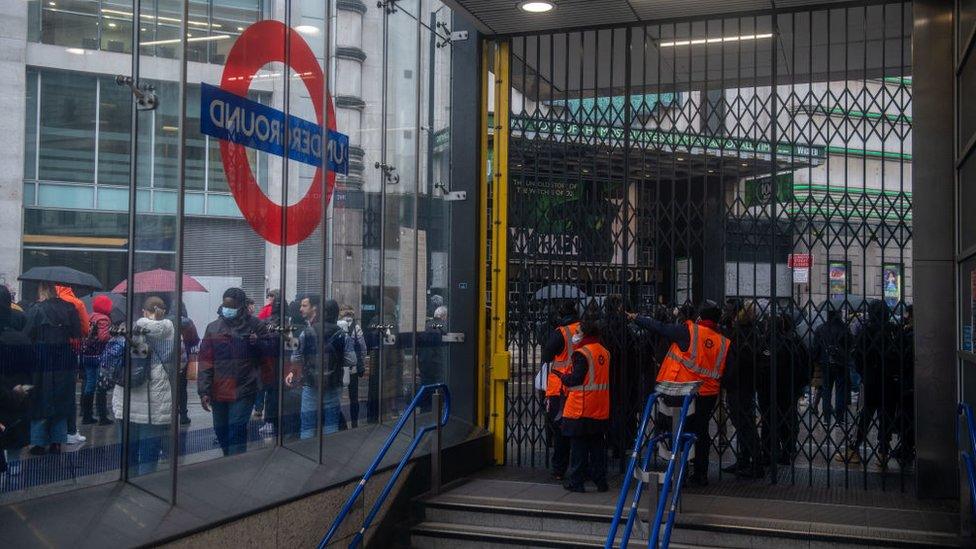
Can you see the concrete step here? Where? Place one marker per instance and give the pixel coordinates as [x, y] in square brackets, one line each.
[582, 521]
[441, 535]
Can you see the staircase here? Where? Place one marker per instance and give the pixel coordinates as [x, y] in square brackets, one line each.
[487, 511]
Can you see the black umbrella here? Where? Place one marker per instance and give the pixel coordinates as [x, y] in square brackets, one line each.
[118, 305]
[65, 276]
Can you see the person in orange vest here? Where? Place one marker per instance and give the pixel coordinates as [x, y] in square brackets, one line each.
[697, 353]
[556, 353]
[586, 412]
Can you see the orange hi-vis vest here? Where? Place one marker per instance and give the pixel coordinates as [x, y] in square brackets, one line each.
[703, 361]
[591, 400]
[563, 362]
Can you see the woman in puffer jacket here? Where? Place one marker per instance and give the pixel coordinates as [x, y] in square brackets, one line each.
[151, 401]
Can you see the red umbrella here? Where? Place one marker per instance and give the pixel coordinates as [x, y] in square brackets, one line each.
[159, 280]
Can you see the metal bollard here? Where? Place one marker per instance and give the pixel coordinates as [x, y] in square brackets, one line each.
[435, 451]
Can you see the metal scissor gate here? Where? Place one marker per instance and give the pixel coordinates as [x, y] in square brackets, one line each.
[762, 161]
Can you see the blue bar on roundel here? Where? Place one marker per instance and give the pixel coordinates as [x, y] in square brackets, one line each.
[230, 117]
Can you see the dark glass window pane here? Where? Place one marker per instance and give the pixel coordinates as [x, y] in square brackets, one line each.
[117, 34]
[73, 24]
[67, 140]
[196, 146]
[967, 197]
[30, 135]
[114, 137]
[167, 129]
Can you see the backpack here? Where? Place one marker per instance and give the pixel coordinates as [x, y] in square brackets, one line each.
[111, 365]
[334, 361]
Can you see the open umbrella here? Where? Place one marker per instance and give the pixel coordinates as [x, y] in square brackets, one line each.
[161, 281]
[118, 305]
[560, 291]
[65, 276]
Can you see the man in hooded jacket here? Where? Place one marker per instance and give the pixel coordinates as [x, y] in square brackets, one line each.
[235, 350]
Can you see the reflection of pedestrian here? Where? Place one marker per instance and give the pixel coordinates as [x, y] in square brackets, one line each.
[68, 295]
[233, 353]
[52, 324]
[320, 336]
[151, 402]
[740, 381]
[92, 394]
[431, 350]
[16, 361]
[354, 331]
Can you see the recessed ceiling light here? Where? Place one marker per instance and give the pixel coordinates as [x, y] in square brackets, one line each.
[76, 51]
[112, 25]
[536, 6]
[307, 29]
[680, 159]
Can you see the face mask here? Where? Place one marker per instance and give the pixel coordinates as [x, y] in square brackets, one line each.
[228, 312]
[344, 324]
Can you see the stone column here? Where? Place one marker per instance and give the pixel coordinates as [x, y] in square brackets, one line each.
[13, 94]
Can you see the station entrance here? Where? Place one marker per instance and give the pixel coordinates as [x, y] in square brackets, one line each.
[762, 162]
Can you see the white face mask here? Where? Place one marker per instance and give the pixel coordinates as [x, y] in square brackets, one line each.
[344, 324]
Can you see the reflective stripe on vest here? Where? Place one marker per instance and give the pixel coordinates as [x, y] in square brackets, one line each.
[691, 362]
[589, 385]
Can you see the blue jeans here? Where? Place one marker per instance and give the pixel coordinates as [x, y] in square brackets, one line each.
[331, 411]
[89, 365]
[146, 443]
[50, 430]
[230, 420]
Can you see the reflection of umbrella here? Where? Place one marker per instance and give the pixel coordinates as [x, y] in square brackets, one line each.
[61, 275]
[560, 291]
[159, 280]
[118, 305]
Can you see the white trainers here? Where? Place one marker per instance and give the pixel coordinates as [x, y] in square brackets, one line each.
[76, 438]
[267, 429]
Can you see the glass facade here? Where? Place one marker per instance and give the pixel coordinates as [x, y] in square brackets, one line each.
[280, 280]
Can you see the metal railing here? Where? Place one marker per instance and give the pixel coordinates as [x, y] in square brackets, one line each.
[442, 411]
[969, 458]
[645, 446]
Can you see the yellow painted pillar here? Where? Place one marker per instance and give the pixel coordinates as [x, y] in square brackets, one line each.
[500, 360]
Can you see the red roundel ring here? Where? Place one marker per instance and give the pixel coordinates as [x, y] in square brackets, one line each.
[260, 44]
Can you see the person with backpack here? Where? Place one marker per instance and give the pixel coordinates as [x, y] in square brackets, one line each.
[92, 395]
[358, 341]
[339, 354]
[151, 395]
[236, 350]
[52, 327]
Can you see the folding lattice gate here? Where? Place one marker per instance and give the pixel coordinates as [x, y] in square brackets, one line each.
[675, 162]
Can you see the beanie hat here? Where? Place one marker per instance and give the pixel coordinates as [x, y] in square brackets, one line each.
[102, 304]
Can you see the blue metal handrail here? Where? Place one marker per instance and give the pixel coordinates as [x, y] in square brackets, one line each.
[681, 443]
[967, 457]
[407, 414]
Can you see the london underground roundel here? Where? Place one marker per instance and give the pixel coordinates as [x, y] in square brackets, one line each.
[240, 123]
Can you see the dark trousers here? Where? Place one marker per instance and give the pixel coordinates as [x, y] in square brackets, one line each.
[354, 399]
[559, 459]
[587, 458]
[742, 408]
[697, 424]
[230, 421]
[183, 394]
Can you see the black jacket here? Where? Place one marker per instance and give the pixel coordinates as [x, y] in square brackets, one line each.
[233, 356]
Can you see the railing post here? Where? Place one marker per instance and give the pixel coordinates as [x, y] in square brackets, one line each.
[435, 451]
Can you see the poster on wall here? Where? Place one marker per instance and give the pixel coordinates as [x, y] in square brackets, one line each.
[837, 278]
[891, 283]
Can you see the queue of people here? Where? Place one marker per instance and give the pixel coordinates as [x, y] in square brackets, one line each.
[759, 372]
[61, 364]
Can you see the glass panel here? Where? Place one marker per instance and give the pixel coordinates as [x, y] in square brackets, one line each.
[967, 291]
[65, 196]
[967, 195]
[967, 16]
[69, 23]
[67, 141]
[433, 211]
[402, 307]
[232, 351]
[155, 361]
[967, 112]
